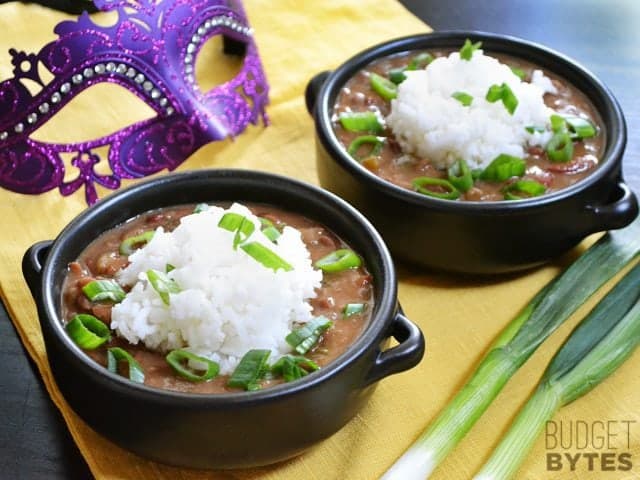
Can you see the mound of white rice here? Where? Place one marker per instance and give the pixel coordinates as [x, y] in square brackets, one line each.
[228, 302]
[429, 123]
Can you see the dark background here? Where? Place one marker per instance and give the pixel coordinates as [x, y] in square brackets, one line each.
[602, 35]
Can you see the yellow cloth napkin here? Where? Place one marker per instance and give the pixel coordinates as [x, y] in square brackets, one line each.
[459, 316]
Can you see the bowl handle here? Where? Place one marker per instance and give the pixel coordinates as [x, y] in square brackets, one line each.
[32, 263]
[313, 88]
[617, 214]
[403, 356]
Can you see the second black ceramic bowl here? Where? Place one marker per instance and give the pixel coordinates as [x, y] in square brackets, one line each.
[225, 430]
[477, 237]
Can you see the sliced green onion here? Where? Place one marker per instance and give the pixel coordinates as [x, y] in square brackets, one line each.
[304, 338]
[241, 225]
[201, 207]
[466, 52]
[269, 229]
[104, 291]
[476, 173]
[87, 331]
[266, 257]
[244, 231]
[397, 76]
[523, 189]
[361, 122]
[353, 309]
[460, 175]
[558, 124]
[594, 350]
[383, 87]
[420, 61]
[177, 359]
[250, 370]
[503, 167]
[464, 98]
[272, 233]
[503, 92]
[421, 184]
[339, 260]
[128, 245]
[162, 284]
[518, 72]
[515, 344]
[581, 127]
[535, 129]
[293, 367]
[560, 148]
[116, 355]
[375, 142]
[168, 267]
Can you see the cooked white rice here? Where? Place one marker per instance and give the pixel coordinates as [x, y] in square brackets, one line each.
[229, 303]
[429, 123]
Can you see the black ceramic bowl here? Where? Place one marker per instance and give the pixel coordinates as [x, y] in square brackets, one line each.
[227, 430]
[477, 237]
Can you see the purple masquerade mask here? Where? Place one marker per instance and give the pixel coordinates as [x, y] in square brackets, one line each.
[151, 51]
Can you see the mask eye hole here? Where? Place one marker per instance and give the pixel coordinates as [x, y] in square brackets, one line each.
[214, 67]
[102, 109]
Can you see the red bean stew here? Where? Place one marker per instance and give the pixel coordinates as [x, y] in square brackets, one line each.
[373, 89]
[345, 299]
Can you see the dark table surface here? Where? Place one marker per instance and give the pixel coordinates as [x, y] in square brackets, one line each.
[603, 36]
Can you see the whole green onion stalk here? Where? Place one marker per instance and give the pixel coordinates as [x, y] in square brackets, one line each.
[597, 347]
[513, 346]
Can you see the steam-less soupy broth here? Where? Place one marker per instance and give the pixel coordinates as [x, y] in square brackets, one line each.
[386, 116]
[335, 312]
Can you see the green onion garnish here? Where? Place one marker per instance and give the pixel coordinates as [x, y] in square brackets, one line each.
[162, 284]
[535, 129]
[250, 370]
[383, 87]
[466, 52]
[361, 122]
[266, 257]
[179, 360]
[272, 233]
[128, 245]
[304, 338]
[168, 267]
[560, 148]
[397, 76]
[339, 260]
[460, 176]
[523, 189]
[422, 184]
[420, 61]
[464, 98]
[293, 367]
[116, 355]
[503, 92]
[503, 167]
[518, 72]
[593, 351]
[353, 309]
[581, 127]
[201, 207]
[242, 226]
[558, 124]
[269, 229]
[87, 331]
[375, 142]
[556, 302]
[104, 291]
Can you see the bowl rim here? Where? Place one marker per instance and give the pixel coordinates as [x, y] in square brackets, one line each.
[385, 304]
[616, 134]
